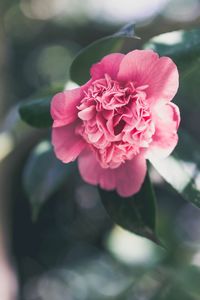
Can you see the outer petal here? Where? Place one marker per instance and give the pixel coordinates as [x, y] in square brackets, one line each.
[63, 107]
[93, 173]
[146, 68]
[108, 65]
[127, 179]
[67, 144]
[130, 176]
[167, 119]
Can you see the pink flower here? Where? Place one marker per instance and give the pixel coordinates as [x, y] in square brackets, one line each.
[118, 119]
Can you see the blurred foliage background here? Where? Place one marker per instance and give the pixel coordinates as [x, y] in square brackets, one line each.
[72, 250]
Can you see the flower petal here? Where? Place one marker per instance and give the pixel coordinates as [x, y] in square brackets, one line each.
[64, 107]
[130, 176]
[67, 144]
[93, 173]
[87, 113]
[127, 179]
[108, 65]
[144, 67]
[167, 119]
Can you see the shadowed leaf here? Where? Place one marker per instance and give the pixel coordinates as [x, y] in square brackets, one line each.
[80, 68]
[36, 112]
[43, 174]
[137, 213]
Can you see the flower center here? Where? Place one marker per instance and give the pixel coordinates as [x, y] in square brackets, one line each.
[116, 120]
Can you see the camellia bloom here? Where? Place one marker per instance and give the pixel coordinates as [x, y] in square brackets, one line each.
[118, 119]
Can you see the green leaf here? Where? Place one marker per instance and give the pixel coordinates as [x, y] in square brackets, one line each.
[36, 112]
[137, 213]
[182, 169]
[80, 68]
[43, 174]
[177, 44]
[184, 48]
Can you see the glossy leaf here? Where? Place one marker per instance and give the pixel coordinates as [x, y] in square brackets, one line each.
[137, 213]
[43, 175]
[182, 169]
[80, 68]
[36, 112]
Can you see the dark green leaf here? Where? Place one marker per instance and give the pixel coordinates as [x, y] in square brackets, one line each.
[43, 174]
[137, 213]
[182, 169]
[36, 112]
[80, 68]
